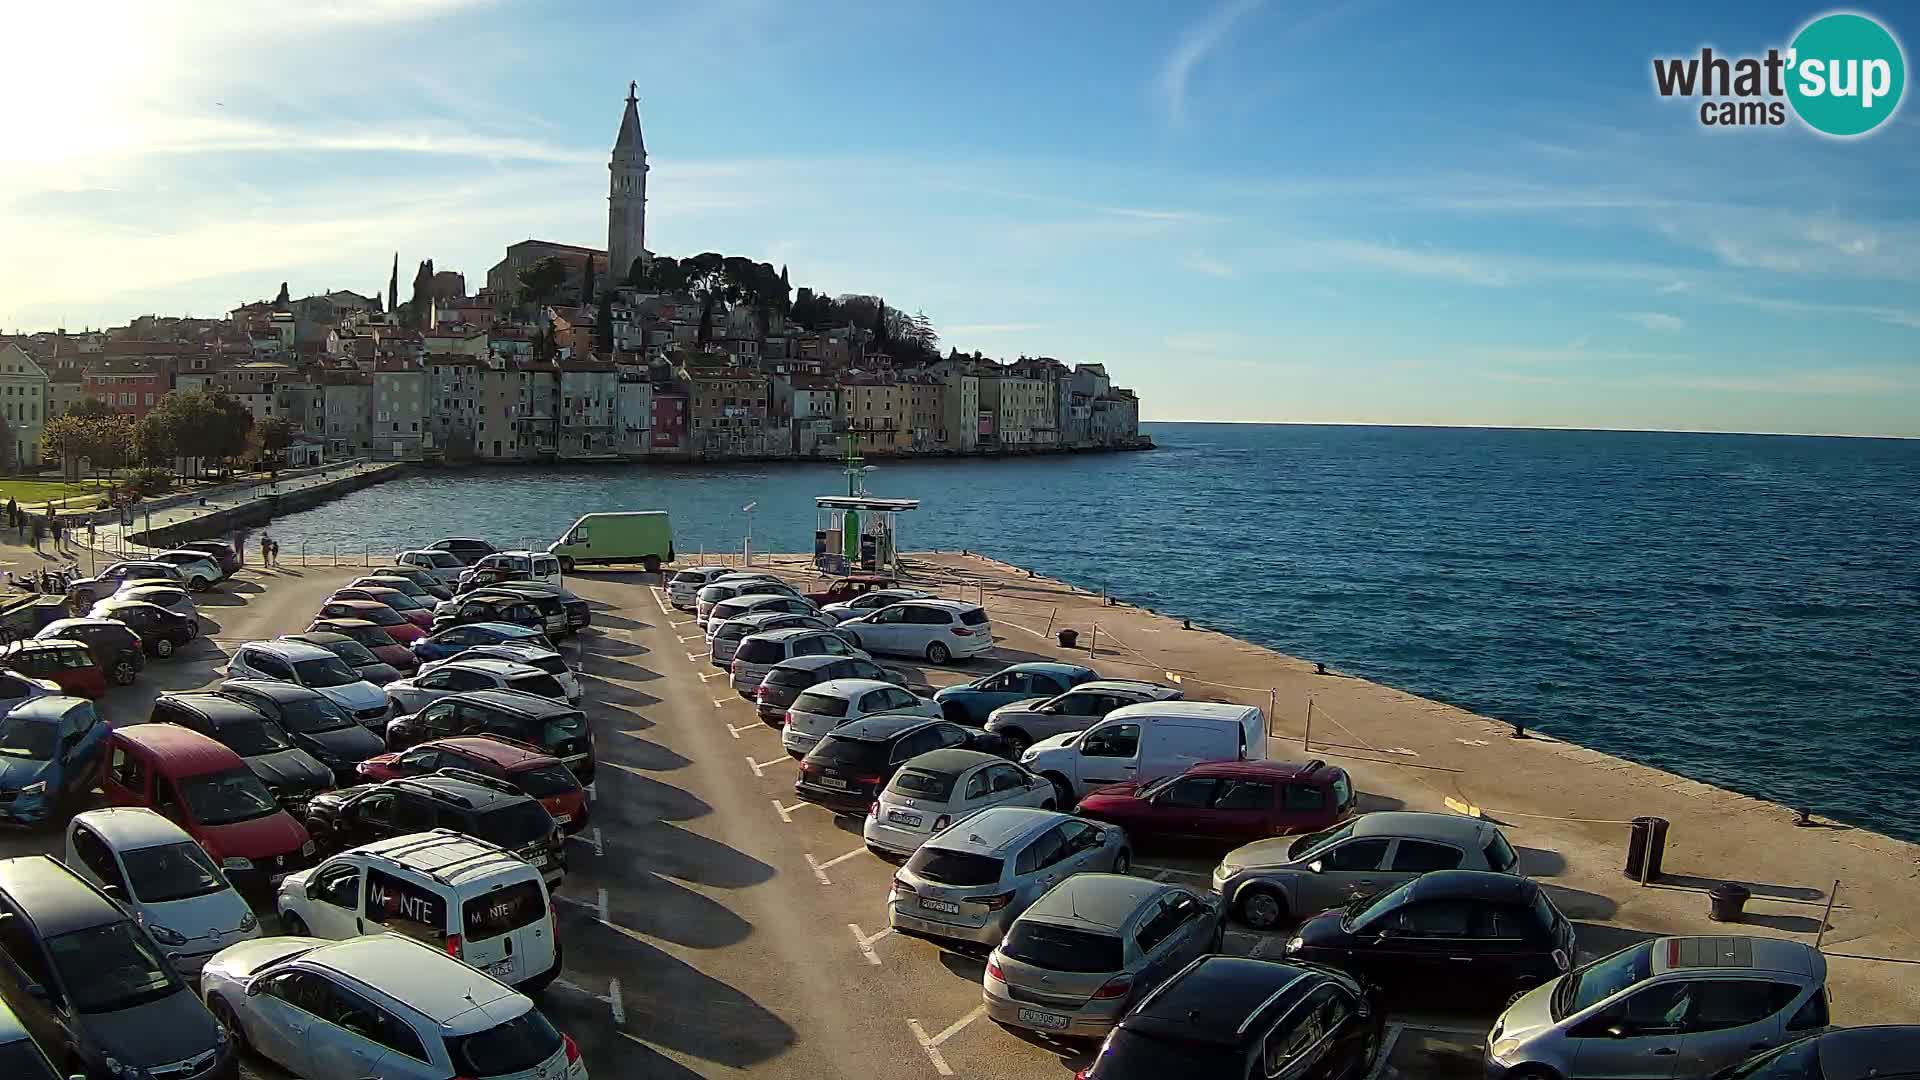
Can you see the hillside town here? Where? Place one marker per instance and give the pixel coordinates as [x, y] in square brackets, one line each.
[571, 353]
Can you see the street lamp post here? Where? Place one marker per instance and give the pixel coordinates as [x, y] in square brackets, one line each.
[746, 548]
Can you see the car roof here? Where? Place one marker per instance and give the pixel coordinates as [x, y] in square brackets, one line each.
[814, 662]
[756, 618]
[51, 708]
[218, 709]
[315, 637]
[341, 620]
[788, 633]
[1861, 1052]
[357, 605]
[1181, 710]
[1218, 999]
[1736, 951]
[55, 899]
[1483, 886]
[1044, 667]
[290, 651]
[504, 754]
[1261, 770]
[80, 623]
[1096, 901]
[1452, 828]
[143, 564]
[948, 605]
[997, 828]
[844, 688]
[40, 645]
[949, 761]
[428, 980]
[274, 688]
[186, 752]
[478, 796]
[515, 701]
[879, 727]
[492, 665]
[121, 603]
[464, 540]
[129, 827]
[1125, 686]
[195, 552]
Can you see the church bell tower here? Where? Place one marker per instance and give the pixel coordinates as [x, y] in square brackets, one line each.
[627, 195]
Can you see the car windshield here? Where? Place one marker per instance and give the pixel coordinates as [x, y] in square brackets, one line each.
[1363, 909]
[223, 798]
[548, 781]
[919, 784]
[251, 738]
[786, 676]
[1062, 948]
[321, 672]
[517, 1046]
[111, 967]
[820, 705]
[1500, 855]
[551, 663]
[757, 650]
[24, 738]
[963, 868]
[850, 753]
[311, 716]
[170, 872]
[561, 727]
[516, 824]
[445, 560]
[1602, 979]
[542, 684]
[385, 616]
[399, 601]
[1313, 842]
[351, 652]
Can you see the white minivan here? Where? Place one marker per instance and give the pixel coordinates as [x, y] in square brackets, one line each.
[1148, 741]
[476, 902]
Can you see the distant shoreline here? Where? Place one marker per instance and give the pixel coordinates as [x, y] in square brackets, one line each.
[1530, 427]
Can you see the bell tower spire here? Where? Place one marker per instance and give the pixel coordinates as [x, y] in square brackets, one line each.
[627, 194]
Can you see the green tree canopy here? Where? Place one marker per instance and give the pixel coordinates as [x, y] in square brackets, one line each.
[541, 282]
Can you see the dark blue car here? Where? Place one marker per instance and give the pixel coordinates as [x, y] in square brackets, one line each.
[458, 639]
[971, 702]
[51, 750]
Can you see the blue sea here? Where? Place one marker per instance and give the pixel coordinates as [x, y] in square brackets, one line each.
[1740, 609]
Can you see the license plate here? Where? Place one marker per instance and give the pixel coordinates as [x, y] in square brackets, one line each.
[562, 819]
[537, 856]
[899, 818]
[834, 782]
[947, 906]
[500, 969]
[1047, 1020]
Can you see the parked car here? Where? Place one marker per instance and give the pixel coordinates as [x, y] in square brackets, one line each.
[1146, 742]
[1884, 1052]
[465, 548]
[1238, 1018]
[1269, 882]
[207, 790]
[940, 630]
[825, 706]
[686, 584]
[555, 727]
[415, 612]
[472, 578]
[1234, 802]
[537, 565]
[456, 640]
[970, 882]
[532, 655]
[51, 752]
[314, 668]
[728, 586]
[313, 722]
[398, 626]
[848, 588]
[523, 765]
[941, 787]
[469, 803]
[83, 976]
[444, 565]
[20, 1056]
[356, 656]
[356, 997]
[464, 897]
[164, 879]
[66, 663]
[788, 679]
[420, 576]
[733, 608]
[399, 583]
[847, 769]
[291, 774]
[555, 618]
[486, 606]
[1076, 960]
[371, 637]
[116, 648]
[545, 594]
[462, 673]
[726, 637]
[1681, 1006]
[760, 652]
[201, 569]
[17, 689]
[174, 598]
[1450, 931]
[1023, 723]
[162, 632]
[224, 554]
[88, 591]
[642, 536]
[869, 602]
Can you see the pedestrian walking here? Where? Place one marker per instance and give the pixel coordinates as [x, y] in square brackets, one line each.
[36, 533]
[54, 525]
[93, 531]
[266, 551]
[273, 550]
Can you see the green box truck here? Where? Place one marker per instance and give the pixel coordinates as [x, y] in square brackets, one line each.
[642, 536]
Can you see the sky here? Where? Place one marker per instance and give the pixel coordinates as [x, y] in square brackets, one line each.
[1375, 211]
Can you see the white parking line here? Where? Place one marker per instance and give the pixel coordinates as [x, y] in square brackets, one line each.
[694, 658]
[1162, 873]
[691, 637]
[932, 1045]
[723, 702]
[735, 731]
[598, 904]
[786, 812]
[1386, 1051]
[1017, 626]
[865, 943]
[591, 793]
[592, 839]
[1260, 947]
[756, 766]
[661, 600]
[820, 868]
[713, 674]
[613, 999]
[679, 622]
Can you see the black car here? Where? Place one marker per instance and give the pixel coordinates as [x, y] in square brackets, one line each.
[1886, 1052]
[482, 577]
[358, 656]
[419, 576]
[487, 606]
[846, 769]
[162, 632]
[579, 612]
[1445, 931]
[290, 773]
[223, 553]
[555, 727]
[465, 548]
[790, 678]
[1237, 1018]
[480, 806]
[312, 721]
[83, 976]
[114, 645]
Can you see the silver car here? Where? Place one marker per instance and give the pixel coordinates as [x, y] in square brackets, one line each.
[1076, 961]
[201, 570]
[1024, 723]
[942, 787]
[869, 602]
[172, 597]
[539, 656]
[726, 637]
[164, 879]
[970, 882]
[687, 584]
[732, 585]
[461, 674]
[1681, 1006]
[758, 654]
[837, 702]
[1271, 882]
[752, 603]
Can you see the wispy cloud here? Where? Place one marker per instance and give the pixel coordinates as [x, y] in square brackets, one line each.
[1202, 263]
[1658, 321]
[1196, 43]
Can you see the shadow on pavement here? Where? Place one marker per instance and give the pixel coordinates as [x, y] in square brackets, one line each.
[1579, 904]
[1759, 889]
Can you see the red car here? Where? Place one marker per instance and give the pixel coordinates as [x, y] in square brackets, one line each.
[376, 639]
[1233, 802]
[398, 626]
[523, 765]
[848, 587]
[416, 612]
[69, 663]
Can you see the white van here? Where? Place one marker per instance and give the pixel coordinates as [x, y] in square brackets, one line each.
[537, 565]
[1148, 741]
[476, 902]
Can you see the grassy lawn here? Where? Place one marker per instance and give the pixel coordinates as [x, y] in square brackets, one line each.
[35, 493]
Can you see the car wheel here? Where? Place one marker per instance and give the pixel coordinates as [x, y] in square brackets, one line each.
[294, 925]
[223, 1015]
[1531, 1072]
[1047, 804]
[193, 629]
[651, 563]
[1520, 990]
[955, 713]
[1062, 790]
[1122, 861]
[938, 653]
[566, 564]
[1017, 741]
[124, 673]
[1261, 907]
[163, 647]
[198, 584]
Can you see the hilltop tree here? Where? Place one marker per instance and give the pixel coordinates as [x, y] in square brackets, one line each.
[64, 438]
[603, 325]
[541, 281]
[153, 441]
[587, 284]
